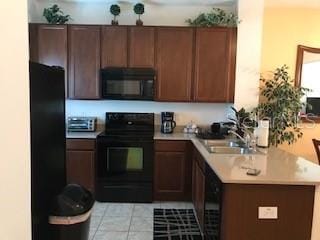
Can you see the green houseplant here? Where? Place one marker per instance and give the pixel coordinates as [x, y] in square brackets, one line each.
[242, 119]
[139, 10]
[55, 16]
[115, 10]
[217, 17]
[281, 107]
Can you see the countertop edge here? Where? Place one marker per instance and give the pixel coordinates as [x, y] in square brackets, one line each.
[206, 155]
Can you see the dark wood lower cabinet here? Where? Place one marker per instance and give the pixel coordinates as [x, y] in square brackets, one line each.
[240, 212]
[198, 187]
[172, 171]
[80, 160]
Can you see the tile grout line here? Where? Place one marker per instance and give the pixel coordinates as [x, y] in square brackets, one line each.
[104, 213]
[134, 206]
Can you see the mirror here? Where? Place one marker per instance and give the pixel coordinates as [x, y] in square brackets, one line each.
[308, 76]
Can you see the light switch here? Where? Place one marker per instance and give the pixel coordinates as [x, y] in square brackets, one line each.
[268, 213]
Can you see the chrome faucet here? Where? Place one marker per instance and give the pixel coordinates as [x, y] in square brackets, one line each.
[249, 139]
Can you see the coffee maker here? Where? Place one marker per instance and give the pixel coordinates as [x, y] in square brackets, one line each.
[167, 122]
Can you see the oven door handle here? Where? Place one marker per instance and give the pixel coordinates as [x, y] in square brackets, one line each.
[119, 142]
[142, 88]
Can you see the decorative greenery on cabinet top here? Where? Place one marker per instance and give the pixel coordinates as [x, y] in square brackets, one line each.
[216, 18]
[54, 15]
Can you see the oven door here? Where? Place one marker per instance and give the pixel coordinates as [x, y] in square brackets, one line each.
[124, 161]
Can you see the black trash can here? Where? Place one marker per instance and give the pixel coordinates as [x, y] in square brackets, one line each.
[70, 214]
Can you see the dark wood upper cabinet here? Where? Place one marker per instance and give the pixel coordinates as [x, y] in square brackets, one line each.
[215, 58]
[84, 62]
[192, 64]
[114, 46]
[48, 45]
[174, 63]
[141, 47]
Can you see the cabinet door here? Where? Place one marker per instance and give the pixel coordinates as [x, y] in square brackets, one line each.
[215, 64]
[48, 45]
[84, 62]
[174, 57]
[80, 168]
[169, 176]
[141, 47]
[114, 46]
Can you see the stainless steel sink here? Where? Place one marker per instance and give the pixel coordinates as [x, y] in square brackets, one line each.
[220, 143]
[230, 150]
[227, 147]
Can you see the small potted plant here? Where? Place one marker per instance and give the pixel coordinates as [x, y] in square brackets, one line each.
[55, 16]
[139, 10]
[115, 11]
[242, 119]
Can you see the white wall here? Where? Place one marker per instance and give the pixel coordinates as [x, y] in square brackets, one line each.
[248, 57]
[199, 113]
[15, 203]
[97, 12]
[249, 53]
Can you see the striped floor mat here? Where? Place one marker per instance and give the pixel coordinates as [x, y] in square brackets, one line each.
[175, 224]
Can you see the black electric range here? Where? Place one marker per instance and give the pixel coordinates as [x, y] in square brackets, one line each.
[124, 167]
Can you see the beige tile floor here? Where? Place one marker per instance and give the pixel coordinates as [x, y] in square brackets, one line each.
[127, 221]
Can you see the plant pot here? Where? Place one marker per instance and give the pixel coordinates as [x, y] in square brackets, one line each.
[114, 22]
[139, 22]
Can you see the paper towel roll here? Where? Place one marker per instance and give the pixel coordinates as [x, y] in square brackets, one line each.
[263, 133]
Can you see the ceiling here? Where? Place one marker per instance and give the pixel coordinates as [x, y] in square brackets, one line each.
[293, 3]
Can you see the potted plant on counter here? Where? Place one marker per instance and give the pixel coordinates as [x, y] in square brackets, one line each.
[242, 119]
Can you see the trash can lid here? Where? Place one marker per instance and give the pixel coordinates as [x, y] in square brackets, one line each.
[72, 201]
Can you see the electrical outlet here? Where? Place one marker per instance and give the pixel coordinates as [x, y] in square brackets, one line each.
[268, 213]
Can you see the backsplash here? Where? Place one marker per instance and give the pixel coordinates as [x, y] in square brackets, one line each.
[200, 113]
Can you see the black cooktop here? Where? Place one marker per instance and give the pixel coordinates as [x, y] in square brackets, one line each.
[128, 125]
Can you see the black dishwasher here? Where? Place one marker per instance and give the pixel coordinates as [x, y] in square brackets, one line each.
[213, 200]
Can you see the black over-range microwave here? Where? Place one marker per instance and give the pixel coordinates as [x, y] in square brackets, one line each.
[128, 83]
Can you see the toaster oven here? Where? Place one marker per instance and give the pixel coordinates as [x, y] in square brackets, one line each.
[82, 124]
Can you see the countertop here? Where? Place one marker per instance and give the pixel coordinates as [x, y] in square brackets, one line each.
[84, 135]
[277, 166]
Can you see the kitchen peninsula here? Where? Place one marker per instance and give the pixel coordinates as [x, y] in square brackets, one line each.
[285, 190]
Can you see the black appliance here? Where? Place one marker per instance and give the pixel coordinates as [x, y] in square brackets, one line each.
[208, 135]
[128, 83]
[167, 122]
[315, 106]
[124, 171]
[217, 130]
[47, 106]
[213, 200]
[222, 127]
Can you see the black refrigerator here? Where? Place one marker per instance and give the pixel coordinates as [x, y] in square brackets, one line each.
[48, 144]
